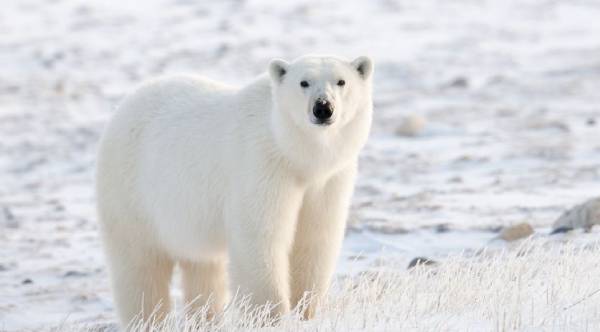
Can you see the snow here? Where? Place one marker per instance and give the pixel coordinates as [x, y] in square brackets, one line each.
[508, 89]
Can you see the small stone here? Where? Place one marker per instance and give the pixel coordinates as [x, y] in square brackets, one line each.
[411, 126]
[562, 229]
[591, 122]
[358, 257]
[506, 112]
[516, 232]
[27, 281]
[455, 179]
[8, 218]
[459, 82]
[387, 228]
[493, 229]
[548, 124]
[72, 273]
[442, 228]
[420, 261]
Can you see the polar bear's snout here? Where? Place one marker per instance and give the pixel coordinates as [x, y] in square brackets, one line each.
[322, 112]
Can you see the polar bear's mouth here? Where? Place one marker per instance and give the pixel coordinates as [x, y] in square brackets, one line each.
[322, 122]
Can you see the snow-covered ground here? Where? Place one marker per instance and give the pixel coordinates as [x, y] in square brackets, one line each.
[509, 91]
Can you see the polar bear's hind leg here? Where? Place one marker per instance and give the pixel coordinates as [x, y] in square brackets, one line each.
[204, 283]
[140, 278]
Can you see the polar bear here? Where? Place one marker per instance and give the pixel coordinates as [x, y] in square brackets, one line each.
[246, 188]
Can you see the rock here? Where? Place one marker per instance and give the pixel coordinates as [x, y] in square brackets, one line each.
[73, 273]
[548, 124]
[8, 218]
[358, 257]
[516, 232]
[386, 228]
[420, 261]
[411, 126]
[442, 228]
[493, 228]
[562, 229]
[506, 112]
[455, 179]
[458, 82]
[27, 281]
[584, 216]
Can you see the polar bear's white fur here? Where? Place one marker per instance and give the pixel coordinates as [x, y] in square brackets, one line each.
[239, 186]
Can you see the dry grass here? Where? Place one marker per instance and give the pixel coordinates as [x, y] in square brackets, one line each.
[533, 287]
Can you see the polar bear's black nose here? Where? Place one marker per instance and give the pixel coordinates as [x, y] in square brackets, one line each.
[322, 110]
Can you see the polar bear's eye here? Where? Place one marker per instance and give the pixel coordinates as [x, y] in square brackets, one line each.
[341, 83]
[304, 84]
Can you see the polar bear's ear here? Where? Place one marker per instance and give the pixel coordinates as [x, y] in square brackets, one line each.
[277, 69]
[364, 66]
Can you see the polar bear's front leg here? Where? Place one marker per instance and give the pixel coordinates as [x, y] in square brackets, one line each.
[261, 219]
[318, 238]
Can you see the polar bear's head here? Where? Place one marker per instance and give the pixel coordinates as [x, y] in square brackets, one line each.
[320, 93]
